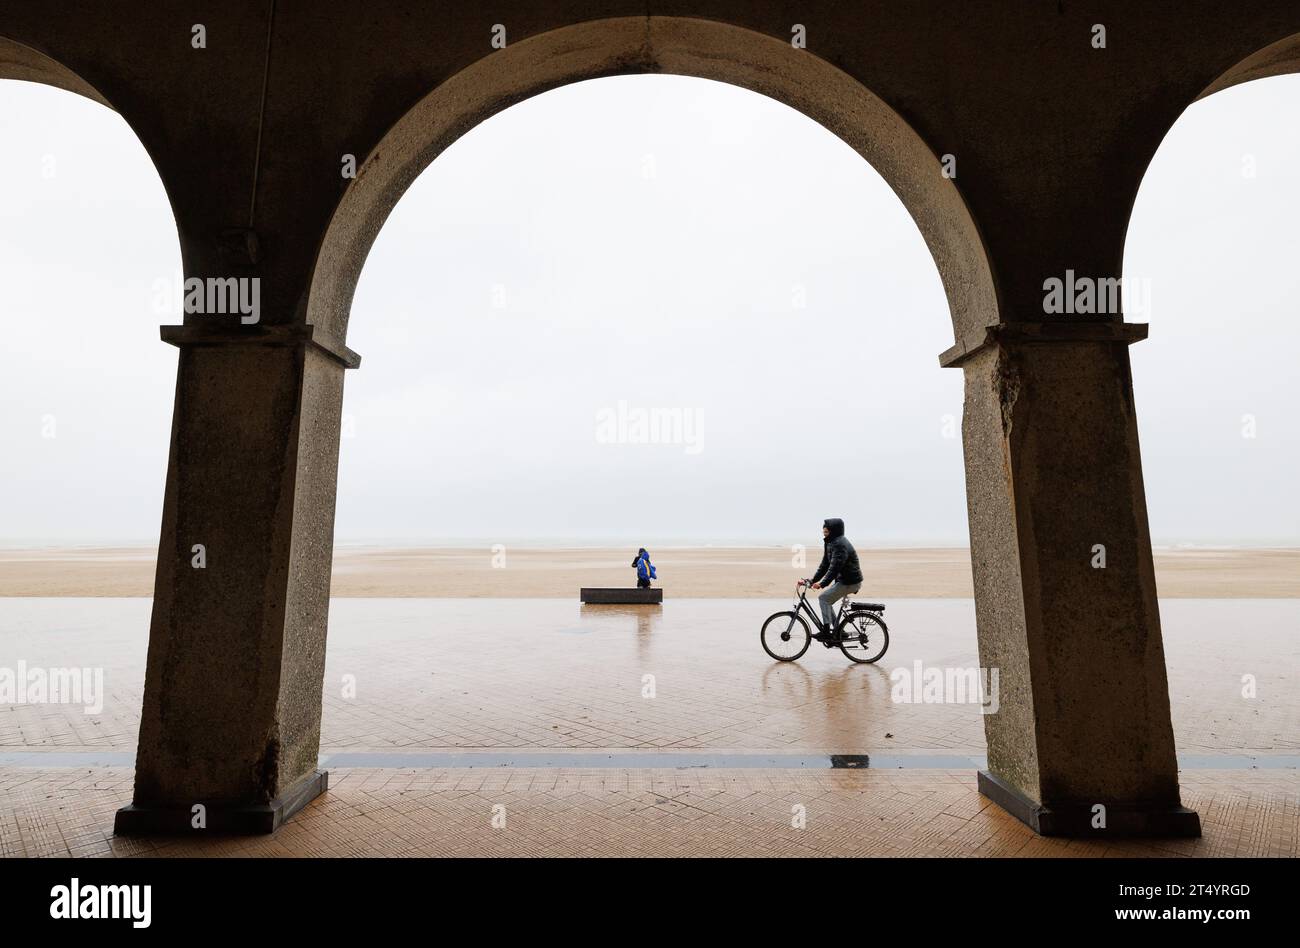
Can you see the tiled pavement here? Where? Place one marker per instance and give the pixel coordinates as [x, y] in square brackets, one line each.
[642, 813]
[548, 675]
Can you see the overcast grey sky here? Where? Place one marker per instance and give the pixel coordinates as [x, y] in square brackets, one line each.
[646, 244]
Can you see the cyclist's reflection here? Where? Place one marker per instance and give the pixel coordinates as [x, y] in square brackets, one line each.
[835, 711]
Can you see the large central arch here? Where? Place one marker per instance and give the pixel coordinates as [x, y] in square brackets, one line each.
[1049, 436]
[677, 45]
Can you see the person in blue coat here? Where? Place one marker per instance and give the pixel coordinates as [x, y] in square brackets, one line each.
[645, 570]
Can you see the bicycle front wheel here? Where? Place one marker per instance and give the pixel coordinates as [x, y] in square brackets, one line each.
[785, 636]
[863, 637]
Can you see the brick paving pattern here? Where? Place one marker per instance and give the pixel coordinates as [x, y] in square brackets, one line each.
[393, 812]
[547, 674]
[550, 675]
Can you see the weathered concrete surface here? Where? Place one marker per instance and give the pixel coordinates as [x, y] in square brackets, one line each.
[27, 65]
[1065, 588]
[237, 645]
[1050, 134]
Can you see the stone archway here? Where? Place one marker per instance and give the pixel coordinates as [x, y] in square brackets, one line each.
[677, 45]
[233, 693]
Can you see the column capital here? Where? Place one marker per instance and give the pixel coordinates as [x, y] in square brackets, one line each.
[1042, 331]
[297, 334]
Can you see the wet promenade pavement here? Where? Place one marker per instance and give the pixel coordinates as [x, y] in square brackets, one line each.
[644, 731]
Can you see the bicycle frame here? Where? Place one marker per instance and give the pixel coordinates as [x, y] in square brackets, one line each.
[802, 605]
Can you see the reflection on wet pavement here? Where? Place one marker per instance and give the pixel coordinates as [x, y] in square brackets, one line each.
[690, 675]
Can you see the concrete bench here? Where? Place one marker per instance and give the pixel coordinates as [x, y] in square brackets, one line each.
[622, 596]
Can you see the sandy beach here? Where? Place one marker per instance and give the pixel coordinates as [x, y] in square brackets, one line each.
[689, 573]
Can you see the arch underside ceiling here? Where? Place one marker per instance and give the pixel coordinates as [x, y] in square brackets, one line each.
[1279, 59]
[689, 47]
[993, 234]
[24, 63]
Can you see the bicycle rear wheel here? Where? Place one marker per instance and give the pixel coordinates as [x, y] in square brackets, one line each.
[785, 636]
[863, 637]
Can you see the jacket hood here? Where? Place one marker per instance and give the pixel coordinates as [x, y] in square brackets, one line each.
[836, 527]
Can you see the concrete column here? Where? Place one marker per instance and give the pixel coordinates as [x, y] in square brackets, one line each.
[1054, 483]
[232, 699]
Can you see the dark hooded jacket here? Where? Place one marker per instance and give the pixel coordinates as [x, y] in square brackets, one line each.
[840, 560]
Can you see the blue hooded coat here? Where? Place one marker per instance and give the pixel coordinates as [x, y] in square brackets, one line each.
[644, 568]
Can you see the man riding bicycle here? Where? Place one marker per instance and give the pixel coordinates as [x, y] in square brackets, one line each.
[839, 573]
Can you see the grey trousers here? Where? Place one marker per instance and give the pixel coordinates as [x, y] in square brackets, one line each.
[829, 597]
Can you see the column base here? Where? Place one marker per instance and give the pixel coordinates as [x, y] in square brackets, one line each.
[258, 819]
[1075, 820]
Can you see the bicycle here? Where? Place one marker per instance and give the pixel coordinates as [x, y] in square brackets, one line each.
[860, 630]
